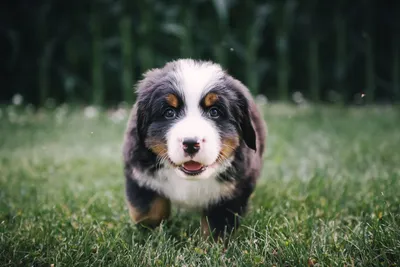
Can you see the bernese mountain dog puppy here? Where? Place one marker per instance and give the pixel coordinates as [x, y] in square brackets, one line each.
[195, 139]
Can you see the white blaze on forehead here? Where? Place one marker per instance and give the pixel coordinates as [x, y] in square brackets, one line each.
[195, 79]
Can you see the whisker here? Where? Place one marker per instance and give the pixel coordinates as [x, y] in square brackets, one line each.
[231, 147]
[156, 145]
[162, 157]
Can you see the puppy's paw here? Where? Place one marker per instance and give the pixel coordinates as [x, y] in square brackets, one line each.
[160, 210]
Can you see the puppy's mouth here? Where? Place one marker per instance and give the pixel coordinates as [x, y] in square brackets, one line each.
[192, 168]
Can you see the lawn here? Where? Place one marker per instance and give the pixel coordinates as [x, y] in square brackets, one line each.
[329, 194]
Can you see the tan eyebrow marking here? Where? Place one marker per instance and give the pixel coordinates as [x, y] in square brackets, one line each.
[210, 99]
[172, 100]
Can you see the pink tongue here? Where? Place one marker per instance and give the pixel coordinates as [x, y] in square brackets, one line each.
[192, 166]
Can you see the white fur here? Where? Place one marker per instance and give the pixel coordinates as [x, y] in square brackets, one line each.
[194, 80]
[189, 194]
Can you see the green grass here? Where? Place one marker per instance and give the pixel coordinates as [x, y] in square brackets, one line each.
[329, 194]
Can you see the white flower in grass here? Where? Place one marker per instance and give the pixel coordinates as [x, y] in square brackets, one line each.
[261, 100]
[123, 104]
[359, 98]
[61, 113]
[118, 115]
[91, 112]
[17, 99]
[298, 98]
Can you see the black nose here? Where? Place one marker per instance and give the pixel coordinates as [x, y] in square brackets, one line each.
[191, 145]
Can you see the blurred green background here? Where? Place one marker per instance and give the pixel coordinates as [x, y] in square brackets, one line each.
[92, 52]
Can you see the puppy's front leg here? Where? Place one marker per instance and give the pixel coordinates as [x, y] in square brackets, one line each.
[224, 217]
[146, 206]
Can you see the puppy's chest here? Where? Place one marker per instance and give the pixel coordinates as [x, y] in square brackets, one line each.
[190, 194]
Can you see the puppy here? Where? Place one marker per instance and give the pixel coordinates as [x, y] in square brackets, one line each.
[195, 139]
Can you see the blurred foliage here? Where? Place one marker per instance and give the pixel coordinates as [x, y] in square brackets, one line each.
[93, 52]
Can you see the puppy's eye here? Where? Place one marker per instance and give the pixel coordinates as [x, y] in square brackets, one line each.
[169, 113]
[213, 113]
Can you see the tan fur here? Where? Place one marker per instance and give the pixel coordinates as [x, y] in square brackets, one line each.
[210, 99]
[157, 146]
[172, 100]
[228, 147]
[160, 210]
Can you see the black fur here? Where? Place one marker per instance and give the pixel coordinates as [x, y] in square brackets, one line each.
[239, 116]
[138, 196]
[225, 216]
[136, 155]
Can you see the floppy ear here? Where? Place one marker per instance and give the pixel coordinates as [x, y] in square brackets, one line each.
[242, 113]
[141, 121]
[248, 133]
[144, 94]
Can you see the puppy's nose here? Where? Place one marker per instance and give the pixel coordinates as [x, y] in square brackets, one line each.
[191, 145]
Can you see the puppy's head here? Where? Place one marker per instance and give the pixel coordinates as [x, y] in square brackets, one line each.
[193, 116]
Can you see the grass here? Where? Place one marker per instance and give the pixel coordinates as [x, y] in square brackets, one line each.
[329, 194]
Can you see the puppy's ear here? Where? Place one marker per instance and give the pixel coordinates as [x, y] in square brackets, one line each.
[246, 128]
[142, 120]
[144, 91]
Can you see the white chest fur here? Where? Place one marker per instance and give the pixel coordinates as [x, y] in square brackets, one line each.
[189, 194]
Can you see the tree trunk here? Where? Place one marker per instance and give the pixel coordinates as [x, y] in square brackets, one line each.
[98, 93]
[146, 31]
[370, 86]
[72, 58]
[126, 58]
[313, 53]
[396, 68]
[283, 63]
[282, 43]
[369, 71]
[45, 55]
[220, 52]
[251, 68]
[187, 50]
[341, 53]
[253, 37]
[283, 67]
[396, 54]
[44, 72]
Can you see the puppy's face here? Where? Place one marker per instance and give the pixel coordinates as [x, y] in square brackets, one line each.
[193, 116]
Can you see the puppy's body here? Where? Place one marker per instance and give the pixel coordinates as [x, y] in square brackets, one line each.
[195, 139]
